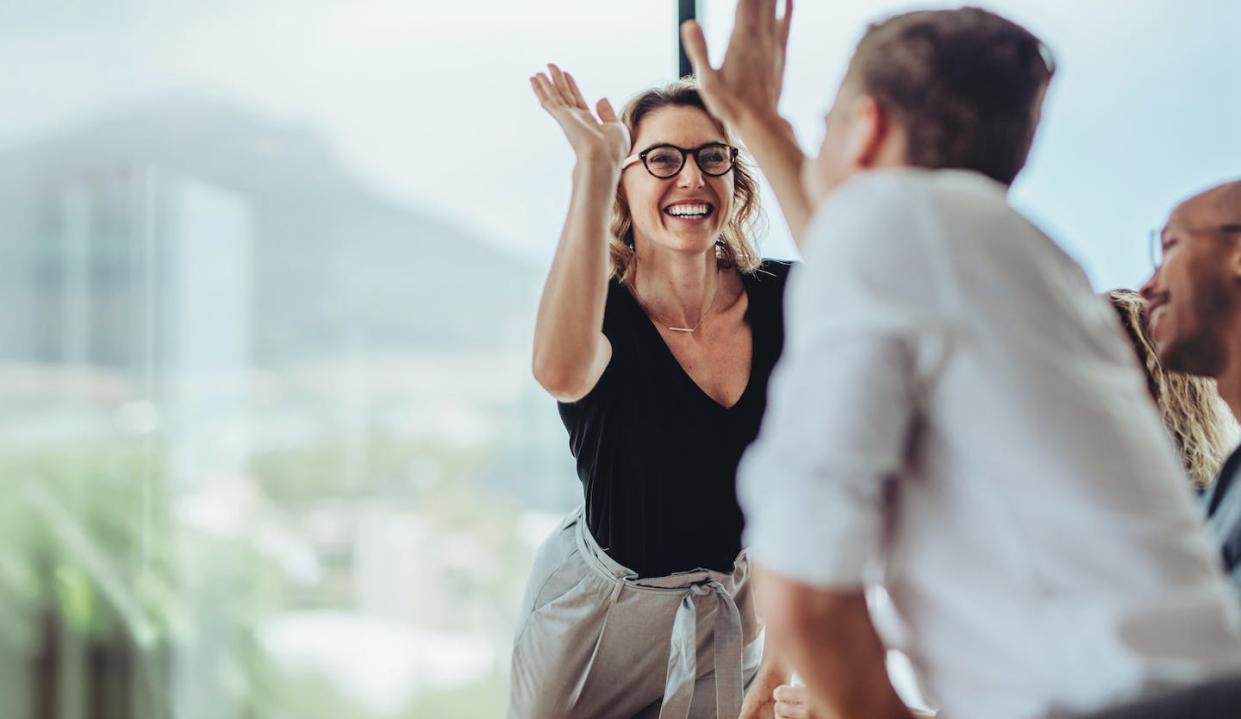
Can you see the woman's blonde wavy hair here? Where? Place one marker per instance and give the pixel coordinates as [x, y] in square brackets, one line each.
[1192, 410]
[733, 249]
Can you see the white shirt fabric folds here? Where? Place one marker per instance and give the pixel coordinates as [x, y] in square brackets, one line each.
[957, 417]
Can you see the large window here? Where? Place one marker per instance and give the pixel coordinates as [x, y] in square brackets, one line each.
[269, 445]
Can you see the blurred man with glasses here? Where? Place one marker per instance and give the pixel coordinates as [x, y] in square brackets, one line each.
[1195, 321]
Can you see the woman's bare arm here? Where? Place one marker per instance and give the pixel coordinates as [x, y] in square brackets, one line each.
[570, 350]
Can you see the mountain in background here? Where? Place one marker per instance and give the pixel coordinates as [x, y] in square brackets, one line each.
[93, 221]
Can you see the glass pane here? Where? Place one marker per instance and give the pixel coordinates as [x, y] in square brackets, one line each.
[269, 444]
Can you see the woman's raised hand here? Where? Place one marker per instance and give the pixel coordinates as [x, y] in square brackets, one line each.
[594, 139]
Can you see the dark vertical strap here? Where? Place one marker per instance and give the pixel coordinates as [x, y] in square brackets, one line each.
[1216, 493]
[688, 10]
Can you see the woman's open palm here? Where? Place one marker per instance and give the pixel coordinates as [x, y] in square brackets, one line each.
[602, 138]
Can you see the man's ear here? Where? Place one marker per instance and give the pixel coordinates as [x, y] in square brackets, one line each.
[1234, 262]
[869, 131]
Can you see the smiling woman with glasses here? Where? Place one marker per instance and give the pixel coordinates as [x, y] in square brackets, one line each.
[658, 328]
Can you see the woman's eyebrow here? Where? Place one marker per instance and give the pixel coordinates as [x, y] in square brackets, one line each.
[659, 143]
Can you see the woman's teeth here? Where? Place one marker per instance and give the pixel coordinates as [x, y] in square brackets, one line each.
[689, 210]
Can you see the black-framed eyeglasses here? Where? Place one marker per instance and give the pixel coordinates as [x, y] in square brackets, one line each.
[1162, 240]
[666, 161]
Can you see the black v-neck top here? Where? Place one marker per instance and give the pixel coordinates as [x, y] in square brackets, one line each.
[657, 456]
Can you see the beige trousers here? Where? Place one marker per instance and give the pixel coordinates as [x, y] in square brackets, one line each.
[595, 641]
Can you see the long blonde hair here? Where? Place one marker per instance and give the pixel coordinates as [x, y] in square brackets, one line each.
[1192, 410]
[733, 248]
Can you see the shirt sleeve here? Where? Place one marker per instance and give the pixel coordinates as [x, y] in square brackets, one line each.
[842, 399]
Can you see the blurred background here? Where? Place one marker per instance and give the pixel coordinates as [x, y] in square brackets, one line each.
[269, 444]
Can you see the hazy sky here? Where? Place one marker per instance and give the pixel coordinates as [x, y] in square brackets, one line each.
[1143, 110]
[427, 100]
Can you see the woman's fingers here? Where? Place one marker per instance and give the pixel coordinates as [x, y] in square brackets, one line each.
[561, 85]
[538, 89]
[563, 100]
[543, 88]
[551, 96]
[577, 92]
[560, 93]
[606, 113]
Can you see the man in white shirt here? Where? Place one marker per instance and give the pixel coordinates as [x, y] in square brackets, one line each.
[956, 415]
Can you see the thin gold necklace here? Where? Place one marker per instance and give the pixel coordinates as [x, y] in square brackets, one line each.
[701, 318]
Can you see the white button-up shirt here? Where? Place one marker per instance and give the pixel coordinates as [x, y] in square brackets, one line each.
[958, 417]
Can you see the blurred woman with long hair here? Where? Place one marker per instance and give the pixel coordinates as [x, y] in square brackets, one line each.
[1192, 410]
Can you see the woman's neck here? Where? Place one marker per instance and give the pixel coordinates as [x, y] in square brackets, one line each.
[677, 288]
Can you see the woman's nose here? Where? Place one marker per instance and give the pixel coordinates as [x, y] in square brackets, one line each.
[690, 175]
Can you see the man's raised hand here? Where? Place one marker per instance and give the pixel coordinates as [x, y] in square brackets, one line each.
[748, 84]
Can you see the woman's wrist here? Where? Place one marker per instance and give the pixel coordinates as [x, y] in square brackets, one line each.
[594, 170]
[599, 159]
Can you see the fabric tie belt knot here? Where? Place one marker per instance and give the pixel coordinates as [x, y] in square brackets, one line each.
[682, 659]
